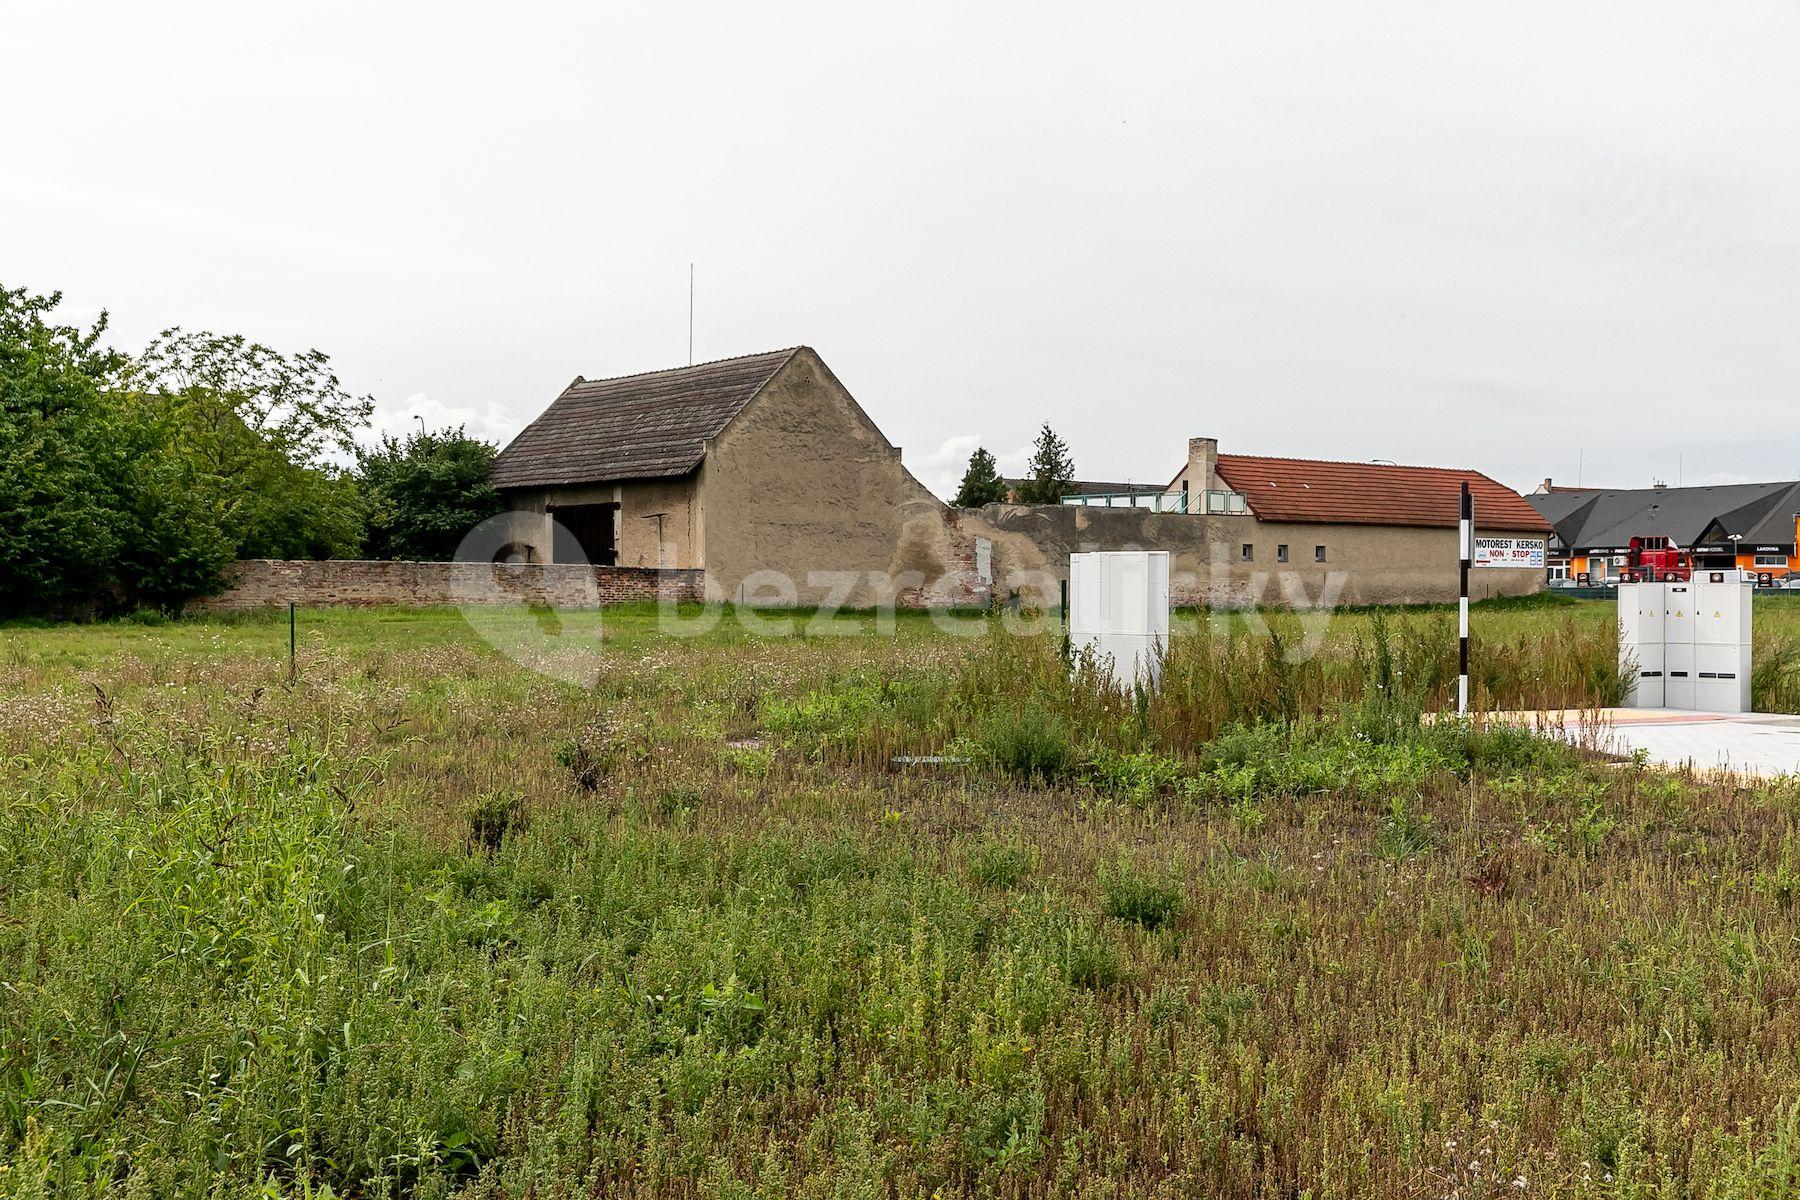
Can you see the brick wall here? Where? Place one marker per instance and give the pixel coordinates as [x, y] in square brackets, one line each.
[267, 583]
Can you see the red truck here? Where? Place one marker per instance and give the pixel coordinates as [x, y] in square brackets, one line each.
[1652, 560]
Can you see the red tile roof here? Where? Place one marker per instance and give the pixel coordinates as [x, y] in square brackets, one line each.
[1355, 493]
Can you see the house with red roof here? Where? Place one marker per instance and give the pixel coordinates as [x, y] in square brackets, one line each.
[1378, 516]
[1265, 529]
[1306, 491]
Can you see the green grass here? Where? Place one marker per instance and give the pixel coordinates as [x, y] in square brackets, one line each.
[425, 924]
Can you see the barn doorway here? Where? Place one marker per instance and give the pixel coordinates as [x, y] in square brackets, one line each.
[586, 533]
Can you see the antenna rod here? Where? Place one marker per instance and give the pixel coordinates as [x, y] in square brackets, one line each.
[690, 314]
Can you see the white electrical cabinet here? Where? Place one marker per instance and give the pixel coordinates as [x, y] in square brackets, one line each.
[1722, 647]
[1641, 642]
[1119, 607]
[1678, 646]
[1690, 643]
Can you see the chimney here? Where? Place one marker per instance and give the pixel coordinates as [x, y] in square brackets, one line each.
[1546, 488]
[1202, 474]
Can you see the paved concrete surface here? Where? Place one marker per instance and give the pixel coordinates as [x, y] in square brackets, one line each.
[1745, 743]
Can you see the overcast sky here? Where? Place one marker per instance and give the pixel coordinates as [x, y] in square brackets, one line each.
[1534, 239]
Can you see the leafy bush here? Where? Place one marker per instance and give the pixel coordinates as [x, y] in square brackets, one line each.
[1129, 896]
[574, 757]
[1313, 757]
[63, 459]
[492, 819]
[1136, 776]
[1090, 960]
[1507, 749]
[608, 744]
[999, 865]
[423, 494]
[1403, 834]
[1030, 743]
[821, 722]
[752, 761]
[1775, 677]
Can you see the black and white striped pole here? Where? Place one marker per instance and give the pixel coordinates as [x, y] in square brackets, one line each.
[1466, 532]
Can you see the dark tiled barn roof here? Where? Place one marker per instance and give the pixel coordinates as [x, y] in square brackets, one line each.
[1351, 493]
[646, 426]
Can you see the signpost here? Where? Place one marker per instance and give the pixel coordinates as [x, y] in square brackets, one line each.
[1466, 541]
[1520, 552]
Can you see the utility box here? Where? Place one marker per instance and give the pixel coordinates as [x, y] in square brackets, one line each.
[1722, 646]
[1119, 607]
[1678, 646]
[1641, 641]
[1691, 644]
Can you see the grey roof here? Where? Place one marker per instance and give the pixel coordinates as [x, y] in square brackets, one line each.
[1557, 507]
[647, 426]
[1758, 512]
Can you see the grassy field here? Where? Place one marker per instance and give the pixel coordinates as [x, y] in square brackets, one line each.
[424, 923]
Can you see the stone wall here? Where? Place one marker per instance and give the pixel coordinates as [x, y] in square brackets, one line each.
[1363, 564]
[931, 563]
[266, 583]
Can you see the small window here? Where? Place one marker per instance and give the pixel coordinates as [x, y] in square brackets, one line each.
[1247, 554]
[1771, 560]
[1281, 552]
[1318, 554]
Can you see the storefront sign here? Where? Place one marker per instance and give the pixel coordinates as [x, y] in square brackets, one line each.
[1509, 552]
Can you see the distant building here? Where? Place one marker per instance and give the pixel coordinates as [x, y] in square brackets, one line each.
[747, 468]
[1242, 522]
[1741, 525]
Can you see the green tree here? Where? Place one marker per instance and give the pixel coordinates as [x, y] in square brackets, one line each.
[180, 539]
[422, 495]
[981, 483]
[251, 430]
[127, 482]
[1051, 472]
[293, 403]
[61, 458]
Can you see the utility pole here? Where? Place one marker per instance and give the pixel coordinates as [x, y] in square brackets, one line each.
[1466, 536]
